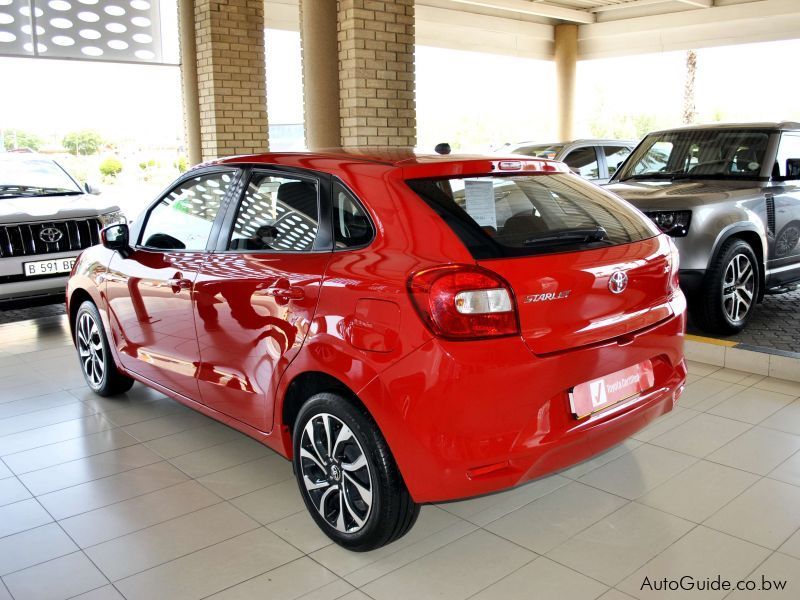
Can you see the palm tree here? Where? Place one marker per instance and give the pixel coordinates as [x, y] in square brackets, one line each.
[689, 111]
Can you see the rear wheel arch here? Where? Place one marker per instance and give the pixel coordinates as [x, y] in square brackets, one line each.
[307, 384]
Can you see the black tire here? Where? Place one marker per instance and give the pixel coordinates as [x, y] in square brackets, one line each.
[97, 364]
[720, 304]
[352, 433]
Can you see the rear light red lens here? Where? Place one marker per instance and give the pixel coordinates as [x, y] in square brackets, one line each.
[464, 302]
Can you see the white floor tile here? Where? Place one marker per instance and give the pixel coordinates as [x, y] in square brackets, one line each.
[617, 545]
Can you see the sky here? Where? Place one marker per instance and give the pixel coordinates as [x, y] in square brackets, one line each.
[474, 101]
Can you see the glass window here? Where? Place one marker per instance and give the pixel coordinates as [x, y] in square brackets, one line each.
[532, 214]
[351, 226]
[583, 161]
[276, 213]
[788, 149]
[549, 151]
[33, 177]
[717, 153]
[183, 220]
[615, 155]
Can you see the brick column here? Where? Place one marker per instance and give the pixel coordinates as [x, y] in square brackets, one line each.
[319, 43]
[231, 77]
[566, 59]
[376, 73]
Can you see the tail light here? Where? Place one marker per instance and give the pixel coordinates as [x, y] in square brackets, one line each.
[674, 266]
[464, 302]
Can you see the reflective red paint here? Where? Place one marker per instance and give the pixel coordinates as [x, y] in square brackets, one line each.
[236, 334]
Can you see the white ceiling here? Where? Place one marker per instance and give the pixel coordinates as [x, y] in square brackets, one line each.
[606, 27]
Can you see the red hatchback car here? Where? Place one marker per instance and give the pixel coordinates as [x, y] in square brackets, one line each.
[408, 329]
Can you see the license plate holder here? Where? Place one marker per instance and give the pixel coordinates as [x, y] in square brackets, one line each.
[598, 394]
[53, 266]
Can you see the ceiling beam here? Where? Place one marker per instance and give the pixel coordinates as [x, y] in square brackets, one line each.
[537, 9]
[630, 4]
[698, 3]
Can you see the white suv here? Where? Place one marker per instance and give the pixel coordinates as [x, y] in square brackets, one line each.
[46, 219]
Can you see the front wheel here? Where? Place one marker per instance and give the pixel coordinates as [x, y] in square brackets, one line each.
[347, 475]
[730, 289]
[97, 364]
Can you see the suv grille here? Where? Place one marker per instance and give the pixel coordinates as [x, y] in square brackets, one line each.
[27, 239]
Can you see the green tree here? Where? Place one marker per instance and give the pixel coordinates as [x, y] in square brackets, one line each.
[111, 167]
[181, 163]
[82, 142]
[16, 138]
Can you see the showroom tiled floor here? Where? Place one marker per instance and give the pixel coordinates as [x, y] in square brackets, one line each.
[141, 498]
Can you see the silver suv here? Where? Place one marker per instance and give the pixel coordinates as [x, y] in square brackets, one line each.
[730, 196]
[46, 219]
[594, 160]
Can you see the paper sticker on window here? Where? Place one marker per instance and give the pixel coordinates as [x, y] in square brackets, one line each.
[480, 202]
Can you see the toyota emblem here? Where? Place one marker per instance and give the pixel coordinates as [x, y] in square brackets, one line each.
[50, 235]
[618, 282]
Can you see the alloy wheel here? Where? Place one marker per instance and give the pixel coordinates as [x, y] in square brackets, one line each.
[738, 287]
[336, 473]
[90, 350]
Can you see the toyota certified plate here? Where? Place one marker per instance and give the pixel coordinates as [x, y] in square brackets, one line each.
[48, 267]
[595, 395]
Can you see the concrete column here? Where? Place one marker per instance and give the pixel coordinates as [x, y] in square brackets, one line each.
[191, 103]
[566, 59]
[318, 38]
[231, 77]
[376, 73]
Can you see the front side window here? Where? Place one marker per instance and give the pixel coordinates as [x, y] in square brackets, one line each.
[351, 226]
[583, 161]
[615, 156]
[698, 153]
[787, 164]
[276, 213]
[183, 219]
[532, 214]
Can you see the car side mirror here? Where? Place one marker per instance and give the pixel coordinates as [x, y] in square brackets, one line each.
[793, 168]
[91, 189]
[116, 237]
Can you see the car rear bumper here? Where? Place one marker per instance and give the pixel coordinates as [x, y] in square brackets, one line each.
[470, 418]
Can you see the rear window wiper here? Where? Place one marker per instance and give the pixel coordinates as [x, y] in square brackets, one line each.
[569, 236]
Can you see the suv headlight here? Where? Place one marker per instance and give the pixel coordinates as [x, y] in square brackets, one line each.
[672, 222]
[112, 218]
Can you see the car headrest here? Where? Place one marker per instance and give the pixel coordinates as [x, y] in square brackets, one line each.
[300, 196]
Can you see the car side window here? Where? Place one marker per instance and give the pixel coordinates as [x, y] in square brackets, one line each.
[351, 225]
[615, 155]
[183, 219]
[584, 162]
[787, 163]
[276, 213]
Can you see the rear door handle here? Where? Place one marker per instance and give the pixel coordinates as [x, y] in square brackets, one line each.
[290, 293]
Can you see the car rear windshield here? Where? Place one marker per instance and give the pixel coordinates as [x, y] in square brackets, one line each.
[549, 151]
[532, 214]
